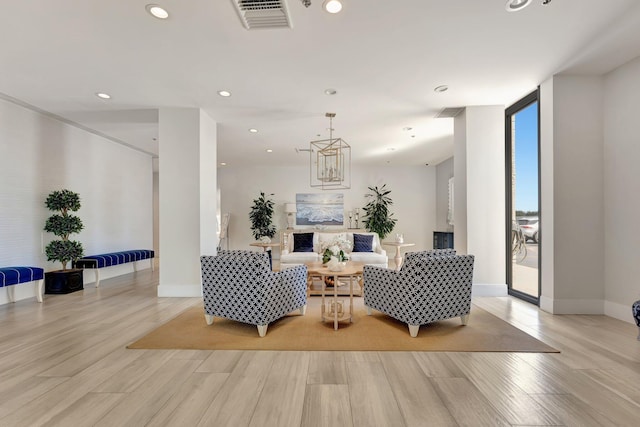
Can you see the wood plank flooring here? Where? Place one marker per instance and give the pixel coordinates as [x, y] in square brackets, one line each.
[64, 363]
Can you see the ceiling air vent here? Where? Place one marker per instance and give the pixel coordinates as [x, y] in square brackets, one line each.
[256, 14]
[449, 112]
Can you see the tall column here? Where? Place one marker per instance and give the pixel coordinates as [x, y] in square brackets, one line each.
[572, 210]
[187, 198]
[479, 211]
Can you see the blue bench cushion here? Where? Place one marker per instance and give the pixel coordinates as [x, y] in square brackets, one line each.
[113, 258]
[14, 275]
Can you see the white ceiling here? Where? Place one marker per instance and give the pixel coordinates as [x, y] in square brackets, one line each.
[384, 58]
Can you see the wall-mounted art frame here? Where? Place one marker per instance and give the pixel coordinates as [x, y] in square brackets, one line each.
[320, 209]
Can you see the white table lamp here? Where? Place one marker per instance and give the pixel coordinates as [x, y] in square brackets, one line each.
[290, 209]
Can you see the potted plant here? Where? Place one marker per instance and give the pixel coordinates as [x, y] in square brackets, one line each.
[62, 224]
[376, 213]
[261, 217]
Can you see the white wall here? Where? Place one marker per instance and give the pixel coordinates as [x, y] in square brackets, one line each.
[621, 189]
[412, 192]
[39, 154]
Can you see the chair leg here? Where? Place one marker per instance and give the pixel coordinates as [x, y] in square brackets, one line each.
[262, 330]
[368, 310]
[303, 310]
[209, 319]
[39, 286]
[464, 319]
[413, 330]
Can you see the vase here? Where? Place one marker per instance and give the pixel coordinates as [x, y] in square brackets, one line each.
[337, 266]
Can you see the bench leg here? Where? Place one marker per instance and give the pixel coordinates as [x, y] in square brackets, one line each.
[39, 287]
[97, 271]
[135, 266]
[11, 293]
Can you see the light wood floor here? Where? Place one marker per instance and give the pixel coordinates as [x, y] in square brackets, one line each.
[64, 363]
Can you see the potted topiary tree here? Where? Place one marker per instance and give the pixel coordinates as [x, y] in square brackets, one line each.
[62, 224]
[261, 217]
[376, 213]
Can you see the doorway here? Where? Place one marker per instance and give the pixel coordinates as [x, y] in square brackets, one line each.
[523, 198]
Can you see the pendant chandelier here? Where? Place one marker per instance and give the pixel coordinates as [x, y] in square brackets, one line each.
[330, 161]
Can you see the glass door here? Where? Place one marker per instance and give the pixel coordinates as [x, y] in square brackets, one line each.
[523, 198]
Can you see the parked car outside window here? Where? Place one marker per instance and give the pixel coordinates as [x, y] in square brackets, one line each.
[529, 226]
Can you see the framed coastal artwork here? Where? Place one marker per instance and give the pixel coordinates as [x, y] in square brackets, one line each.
[319, 209]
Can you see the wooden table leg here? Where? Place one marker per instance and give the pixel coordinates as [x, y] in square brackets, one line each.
[335, 302]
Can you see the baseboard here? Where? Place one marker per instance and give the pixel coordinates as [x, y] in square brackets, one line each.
[619, 311]
[116, 270]
[185, 290]
[572, 306]
[489, 290]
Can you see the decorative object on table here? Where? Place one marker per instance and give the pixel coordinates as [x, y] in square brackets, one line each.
[357, 217]
[335, 265]
[377, 215]
[320, 209]
[350, 219]
[265, 239]
[333, 306]
[62, 224]
[290, 210]
[399, 238]
[636, 315]
[330, 161]
[261, 217]
[337, 248]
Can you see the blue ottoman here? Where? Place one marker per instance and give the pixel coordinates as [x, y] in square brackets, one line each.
[636, 314]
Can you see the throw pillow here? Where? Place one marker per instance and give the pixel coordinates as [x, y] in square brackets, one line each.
[302, 242]
[362, 243]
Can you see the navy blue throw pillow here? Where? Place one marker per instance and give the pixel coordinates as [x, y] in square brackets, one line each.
[362, 243]
[302, 242]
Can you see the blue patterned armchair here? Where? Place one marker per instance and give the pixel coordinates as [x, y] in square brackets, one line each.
[428, 288]
[239, 285]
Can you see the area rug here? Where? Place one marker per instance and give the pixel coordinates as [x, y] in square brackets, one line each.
[377, 332]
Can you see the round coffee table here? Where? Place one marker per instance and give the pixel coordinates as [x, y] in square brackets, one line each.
[351, 271]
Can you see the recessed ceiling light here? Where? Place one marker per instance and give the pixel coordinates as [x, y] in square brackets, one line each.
[223, 164]
[407, 128]
[516, 5]
[441, 88]
[330, 91]
[332, 6]
[252, 130]
[269, 150]
[103, 95]
[224, 93]
[157, 11]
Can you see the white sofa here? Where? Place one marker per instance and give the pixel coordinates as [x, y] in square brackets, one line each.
[290, 258]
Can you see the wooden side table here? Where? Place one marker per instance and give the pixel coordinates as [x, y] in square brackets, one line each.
[352, 271]
[398, 257]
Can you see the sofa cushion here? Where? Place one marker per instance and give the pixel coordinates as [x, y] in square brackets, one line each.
[303, 242]
[362, 242]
